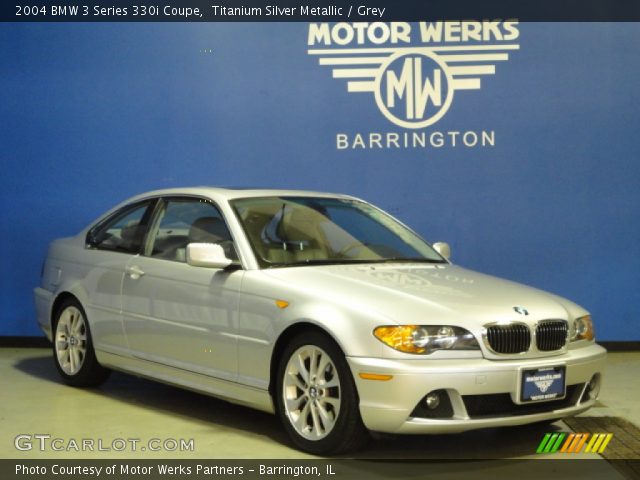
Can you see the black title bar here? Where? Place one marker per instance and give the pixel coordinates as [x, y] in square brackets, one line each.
[318, 11]
[328, 469]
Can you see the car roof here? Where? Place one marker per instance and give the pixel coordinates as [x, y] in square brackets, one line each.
[230, 193]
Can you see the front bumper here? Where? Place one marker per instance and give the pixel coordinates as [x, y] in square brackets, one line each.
[472, 385]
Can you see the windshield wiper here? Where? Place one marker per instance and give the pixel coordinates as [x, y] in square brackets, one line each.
[407, 260]
[347, 261]
[319, 261]
[335, 261]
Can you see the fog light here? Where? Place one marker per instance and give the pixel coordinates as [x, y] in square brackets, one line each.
[435, 404]
[432, 400]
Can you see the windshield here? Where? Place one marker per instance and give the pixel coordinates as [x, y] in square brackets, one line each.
[288, 231]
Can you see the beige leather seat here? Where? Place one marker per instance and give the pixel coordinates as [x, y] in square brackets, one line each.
[305, 239]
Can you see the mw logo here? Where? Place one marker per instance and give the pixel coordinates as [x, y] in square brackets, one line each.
[413, 89]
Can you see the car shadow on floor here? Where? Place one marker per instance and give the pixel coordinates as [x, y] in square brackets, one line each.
[494, 443]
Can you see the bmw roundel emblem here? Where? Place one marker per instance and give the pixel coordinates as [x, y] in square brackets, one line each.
[521, 310]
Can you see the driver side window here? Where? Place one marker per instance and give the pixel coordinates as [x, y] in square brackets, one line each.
[184, 221]
[122, 232]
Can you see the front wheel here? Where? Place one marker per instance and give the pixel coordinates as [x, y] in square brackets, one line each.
[316, 397]
[73, 351]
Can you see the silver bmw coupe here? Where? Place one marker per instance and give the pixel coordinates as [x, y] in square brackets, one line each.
[320, 308]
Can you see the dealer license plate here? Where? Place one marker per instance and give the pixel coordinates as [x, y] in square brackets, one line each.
[547, 383]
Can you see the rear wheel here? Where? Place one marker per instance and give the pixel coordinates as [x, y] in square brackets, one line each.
[73, 351]
[316, 397]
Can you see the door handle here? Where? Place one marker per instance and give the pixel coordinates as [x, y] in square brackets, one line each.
[134, 272]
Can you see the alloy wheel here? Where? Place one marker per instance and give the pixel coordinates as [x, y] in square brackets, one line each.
[311, 392]
[71, 340]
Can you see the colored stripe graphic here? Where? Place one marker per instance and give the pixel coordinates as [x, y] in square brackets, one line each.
[599, 442]
[606, 442]
[574, 442]
[556, 445]
[570, 438]
[580, 443]
[543, 443]
[550, 443]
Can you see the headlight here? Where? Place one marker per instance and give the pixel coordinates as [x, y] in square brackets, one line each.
[425, 339]
[583, 329]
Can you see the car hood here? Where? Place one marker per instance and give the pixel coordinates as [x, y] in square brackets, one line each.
[414, 293]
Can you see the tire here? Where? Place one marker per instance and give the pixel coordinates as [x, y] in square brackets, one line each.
[318, 409]
[73, 352]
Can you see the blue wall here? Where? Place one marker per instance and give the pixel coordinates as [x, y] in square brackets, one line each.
[92, 114]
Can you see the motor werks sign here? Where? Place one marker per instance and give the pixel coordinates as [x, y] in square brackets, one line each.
[413, 72]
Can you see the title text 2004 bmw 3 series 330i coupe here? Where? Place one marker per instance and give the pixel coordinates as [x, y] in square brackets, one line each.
[319, 307]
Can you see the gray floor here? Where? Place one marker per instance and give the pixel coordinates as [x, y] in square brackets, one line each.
[34, 401]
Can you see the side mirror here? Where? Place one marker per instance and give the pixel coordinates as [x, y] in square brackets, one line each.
[443, 249]
[90, 241]
[209, 255]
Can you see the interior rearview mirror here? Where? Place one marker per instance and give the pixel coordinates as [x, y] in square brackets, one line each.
[443, 249]
[209, 255]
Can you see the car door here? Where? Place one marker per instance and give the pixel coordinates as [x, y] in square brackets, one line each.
[111, 244]
[177, 314]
